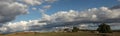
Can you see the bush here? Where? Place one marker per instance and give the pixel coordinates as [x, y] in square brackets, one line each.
[75, 29]
[67, 30]
[104, 28]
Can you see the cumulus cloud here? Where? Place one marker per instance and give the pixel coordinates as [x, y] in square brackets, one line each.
[21, 26]
[44, 8]
[45, 17]
[32, 2]
[67, 19]
[34, 8]
[47, 6]
[51, 1]
[9, 9]
[97, 15]
[115, 7]
[36, 2]
[72, 17]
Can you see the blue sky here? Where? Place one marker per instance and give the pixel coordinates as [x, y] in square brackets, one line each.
[65, 5]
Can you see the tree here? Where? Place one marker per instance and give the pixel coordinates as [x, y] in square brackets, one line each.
[75, 29]
[67, 30]
[104, 28]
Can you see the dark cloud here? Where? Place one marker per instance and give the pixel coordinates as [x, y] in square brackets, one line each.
[115, 7]
[9, 9]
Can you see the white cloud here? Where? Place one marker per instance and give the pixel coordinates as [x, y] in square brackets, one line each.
[21, 26]
[41, 10]
[36, 2]
[9, 9]
[47, 6]
[51, 1]
[34, 8]
[94, 14]
[33, 2]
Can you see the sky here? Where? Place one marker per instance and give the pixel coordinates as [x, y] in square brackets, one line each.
[65, 5]
[50, 15]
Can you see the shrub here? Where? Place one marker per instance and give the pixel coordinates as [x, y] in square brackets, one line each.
[104, 28]
[75, 29]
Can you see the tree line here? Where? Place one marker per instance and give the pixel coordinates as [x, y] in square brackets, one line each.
[102, 28]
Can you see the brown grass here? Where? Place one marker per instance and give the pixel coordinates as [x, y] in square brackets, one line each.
[61, 34]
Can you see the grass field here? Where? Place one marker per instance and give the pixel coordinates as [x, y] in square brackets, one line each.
[60, 34]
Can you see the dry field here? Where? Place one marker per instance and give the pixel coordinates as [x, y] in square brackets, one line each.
[61, 34]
